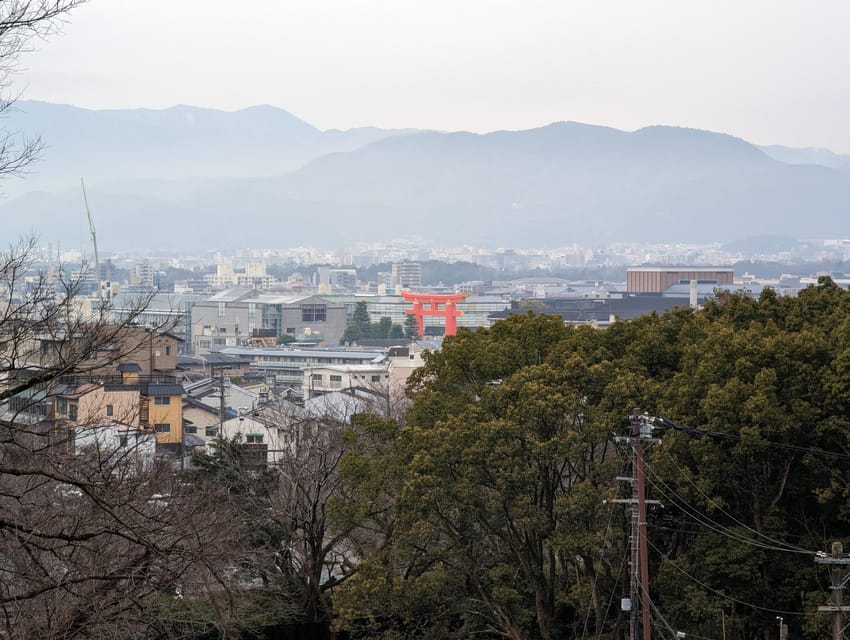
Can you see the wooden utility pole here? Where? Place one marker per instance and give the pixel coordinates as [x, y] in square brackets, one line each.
[837, 560]
[639, 623]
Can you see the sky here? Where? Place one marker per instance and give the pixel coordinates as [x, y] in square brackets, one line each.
[772, 72]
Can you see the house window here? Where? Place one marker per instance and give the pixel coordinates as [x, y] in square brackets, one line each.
[122, 440]
[72, 410]
[168, 349]
[61, 405]
[109, 410]
[290, 330]
[254, 438]
[376, 378]
[314, 312]
[221, 306]
[162, 427]
[211, 432]
[316, 377]
[336, 378]
[190, 428]
[162, 400]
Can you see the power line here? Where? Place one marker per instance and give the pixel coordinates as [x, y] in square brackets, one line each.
[720, 593]
[706, 521]
[625, 463]
[791, 547]
[666, 423]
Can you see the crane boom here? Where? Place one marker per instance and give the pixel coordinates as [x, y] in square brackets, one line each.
[93, 239]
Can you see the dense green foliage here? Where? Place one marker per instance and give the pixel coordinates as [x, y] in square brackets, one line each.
[483, 514]
[361, 327]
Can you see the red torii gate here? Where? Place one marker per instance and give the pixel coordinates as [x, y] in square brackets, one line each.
[449, 311]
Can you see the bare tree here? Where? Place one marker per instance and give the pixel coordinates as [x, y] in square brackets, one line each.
[97, 538]
[21, 23]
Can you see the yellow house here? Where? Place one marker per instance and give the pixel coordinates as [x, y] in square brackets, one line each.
[162, 405]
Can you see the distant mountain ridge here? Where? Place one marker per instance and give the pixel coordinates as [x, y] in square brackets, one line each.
[192, 179]
[177, 143]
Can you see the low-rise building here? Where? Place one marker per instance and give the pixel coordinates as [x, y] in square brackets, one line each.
[231, 318]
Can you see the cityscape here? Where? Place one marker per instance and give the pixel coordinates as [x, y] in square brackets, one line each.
[533, 324]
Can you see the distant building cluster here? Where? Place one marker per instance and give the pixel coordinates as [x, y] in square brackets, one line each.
[250, 354]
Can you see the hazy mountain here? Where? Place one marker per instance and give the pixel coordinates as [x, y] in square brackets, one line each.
[177, 143]
[823, 157]
[563, 183]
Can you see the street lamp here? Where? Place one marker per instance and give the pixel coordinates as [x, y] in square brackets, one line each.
[783, 630]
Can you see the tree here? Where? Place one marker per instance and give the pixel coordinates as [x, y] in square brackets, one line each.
[95, 534]
[483, 513]
[411, 329]
[21, 22]
[496, 475]
[359, 326]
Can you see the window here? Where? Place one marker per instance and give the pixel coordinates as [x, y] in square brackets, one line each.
[162, 427]
[72, 410]
[61, 405]
[221, 306]
[162, 400]
[376, 378]
[316, 377]
[168, 349]
[290, 330]
[211, 432]
[254, 438]
[336, 378]
[122, 440]
[314, 312]
[190, 428]
[109, 410]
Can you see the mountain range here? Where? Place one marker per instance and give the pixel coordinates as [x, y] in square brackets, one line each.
[189, 179]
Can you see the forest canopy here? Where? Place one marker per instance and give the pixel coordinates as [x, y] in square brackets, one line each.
[484, 513]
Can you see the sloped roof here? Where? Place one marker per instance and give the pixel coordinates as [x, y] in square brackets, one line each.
[165, 389]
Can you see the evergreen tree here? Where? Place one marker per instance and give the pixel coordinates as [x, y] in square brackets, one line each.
[360, 326]
[411, 329]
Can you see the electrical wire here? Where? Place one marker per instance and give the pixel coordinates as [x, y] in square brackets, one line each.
[694, 431]
[791, 547]
[670, 494]
[625, 464]
[720, 593]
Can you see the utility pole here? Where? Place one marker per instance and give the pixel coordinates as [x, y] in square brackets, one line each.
[639, 623]
[222, 403]
[837, 560]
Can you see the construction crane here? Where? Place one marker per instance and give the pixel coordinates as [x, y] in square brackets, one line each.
[93, 241]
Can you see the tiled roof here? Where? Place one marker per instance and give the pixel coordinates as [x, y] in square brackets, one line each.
[165, 389]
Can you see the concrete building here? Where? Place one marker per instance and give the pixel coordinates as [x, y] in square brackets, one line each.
[231, 318]
[407, 275]
[330, 280]
[253, 275]
[284, 366]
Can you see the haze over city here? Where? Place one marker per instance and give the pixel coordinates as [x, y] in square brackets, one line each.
[395, 320]
[769, 72]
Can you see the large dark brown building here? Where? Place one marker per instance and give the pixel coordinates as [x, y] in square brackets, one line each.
[659, 279]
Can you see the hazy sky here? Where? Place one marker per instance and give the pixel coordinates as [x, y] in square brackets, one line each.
[771, 71]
